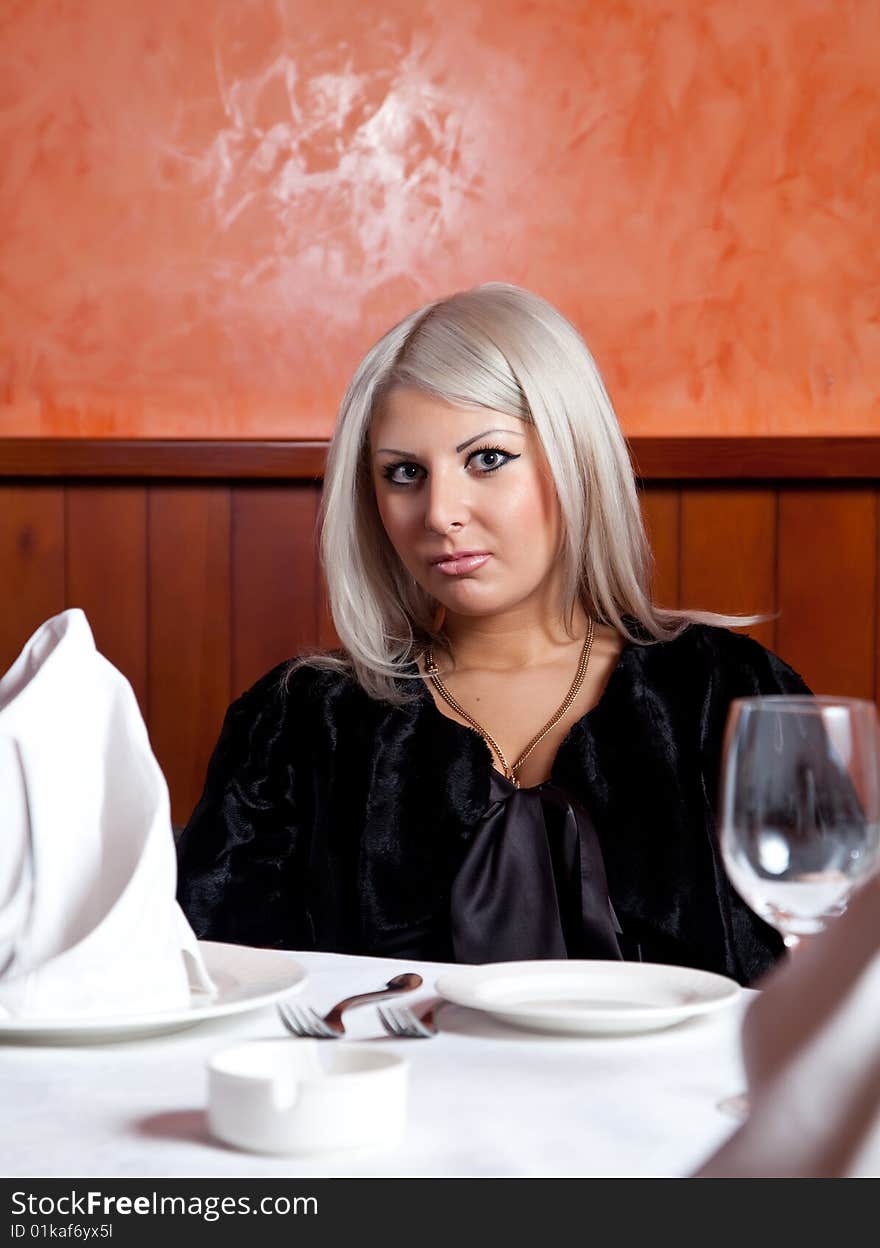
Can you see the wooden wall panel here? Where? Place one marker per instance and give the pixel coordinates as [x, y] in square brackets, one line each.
[328, 638]
[661, 509]
[194, 588]
[728, 554]
[274, 577]
[827, 591]
[188, 631]
[31, 562]
[106, 560]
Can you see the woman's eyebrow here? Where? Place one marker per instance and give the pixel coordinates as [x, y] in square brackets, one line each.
[519, 433]
[392, 450]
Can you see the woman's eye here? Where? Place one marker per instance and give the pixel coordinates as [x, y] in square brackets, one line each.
[402, 474]
[490, 460]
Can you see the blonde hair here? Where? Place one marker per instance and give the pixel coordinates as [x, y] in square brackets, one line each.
[502, 348]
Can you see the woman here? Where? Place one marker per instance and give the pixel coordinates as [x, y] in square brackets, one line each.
[516, 753]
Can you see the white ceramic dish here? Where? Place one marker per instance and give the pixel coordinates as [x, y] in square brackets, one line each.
[296, 1096]
[246, 979]
[585, 998]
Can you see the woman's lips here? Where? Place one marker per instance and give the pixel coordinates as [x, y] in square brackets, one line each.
[462, 565]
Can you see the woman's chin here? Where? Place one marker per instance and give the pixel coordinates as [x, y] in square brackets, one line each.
[473, 602]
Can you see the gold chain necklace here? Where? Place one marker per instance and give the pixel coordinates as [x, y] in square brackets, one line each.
[511, 770]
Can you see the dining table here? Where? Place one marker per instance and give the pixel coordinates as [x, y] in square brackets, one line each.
[485, 1098]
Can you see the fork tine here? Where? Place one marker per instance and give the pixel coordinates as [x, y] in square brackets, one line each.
[404, 1024]
[400, 1023]
[291, 1020]
[304, 1022]
[415, 1028]
[402, 1020]
[300, 1020]
[319, 1028]
[388, 1021]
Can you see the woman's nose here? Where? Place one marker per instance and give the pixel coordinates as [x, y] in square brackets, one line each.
[445, 503]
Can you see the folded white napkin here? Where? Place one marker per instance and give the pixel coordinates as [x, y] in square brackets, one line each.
[89, 924]
[811, 1045]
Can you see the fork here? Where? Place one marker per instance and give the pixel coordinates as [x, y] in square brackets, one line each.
[307, 1022]
[404, 1024]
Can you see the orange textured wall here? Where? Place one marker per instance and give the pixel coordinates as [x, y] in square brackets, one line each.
[208, 210]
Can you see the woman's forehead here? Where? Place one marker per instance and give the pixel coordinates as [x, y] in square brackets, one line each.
[417, 413]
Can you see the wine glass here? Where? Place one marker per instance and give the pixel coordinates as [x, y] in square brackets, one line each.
[800, 810]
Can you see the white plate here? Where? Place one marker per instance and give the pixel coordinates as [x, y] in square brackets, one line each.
[588, 998]
[246, 979]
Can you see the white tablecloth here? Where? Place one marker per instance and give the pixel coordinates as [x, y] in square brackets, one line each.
[485, 1099]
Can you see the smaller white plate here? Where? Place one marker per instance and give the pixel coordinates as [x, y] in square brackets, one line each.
[246, 979]
[583, 998]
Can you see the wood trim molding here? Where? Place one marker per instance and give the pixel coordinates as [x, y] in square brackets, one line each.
[655, 459]
[750, 458]
[207, 460]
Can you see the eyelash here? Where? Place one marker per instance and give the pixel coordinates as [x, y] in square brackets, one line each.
[389, 469]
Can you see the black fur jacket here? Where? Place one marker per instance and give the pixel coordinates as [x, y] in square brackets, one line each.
[336, 822]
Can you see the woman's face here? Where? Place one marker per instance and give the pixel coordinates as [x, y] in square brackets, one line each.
[468, 502]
